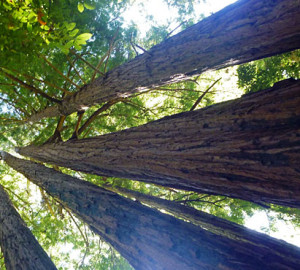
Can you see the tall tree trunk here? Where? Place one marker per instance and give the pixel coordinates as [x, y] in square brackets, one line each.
[20, 248]
[244, 31]
[209, 222]
[149, 239]
[246, 148]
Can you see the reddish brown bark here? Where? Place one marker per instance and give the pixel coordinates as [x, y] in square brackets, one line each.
[20, 248]
[246, 148]
[244, 31]
[149, 239]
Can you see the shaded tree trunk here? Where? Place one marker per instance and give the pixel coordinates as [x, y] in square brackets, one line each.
[20, 249]
[149, 239]
[246, 148]
[244, 31]
[209, 222]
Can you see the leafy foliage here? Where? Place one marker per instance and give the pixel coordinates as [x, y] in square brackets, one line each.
[264, 73]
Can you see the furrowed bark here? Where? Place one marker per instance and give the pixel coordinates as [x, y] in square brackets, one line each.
[244, 31]
[20, 248]
[149, 239]
[209, 222]
[248, 148]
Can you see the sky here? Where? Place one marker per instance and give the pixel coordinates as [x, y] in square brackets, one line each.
[162, 13]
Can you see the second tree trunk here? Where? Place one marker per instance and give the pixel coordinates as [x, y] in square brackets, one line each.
[246, 148]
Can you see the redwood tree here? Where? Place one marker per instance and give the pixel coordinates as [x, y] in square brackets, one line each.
[20, 248]
[209, 222]
[244, 31]
[149, 239]
[246, 148]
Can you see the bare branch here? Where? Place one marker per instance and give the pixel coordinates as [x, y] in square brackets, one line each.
[202, 96]
[76, 71]
[105, 107]
[30, 87]
[58, 71]
[170, 33]
[86, 62]
[39, 80]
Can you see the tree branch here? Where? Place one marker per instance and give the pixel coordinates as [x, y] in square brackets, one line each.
[86, 62]
[105, 107]
[58, 71]
[202, 96]
[30, 87]
[39, 80]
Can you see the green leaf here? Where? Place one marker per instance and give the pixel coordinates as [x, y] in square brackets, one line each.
[29, 27]
[77, 46]
[80, 7]
[71, 26]
[89, 6]
[79, 42]
[84, 36]
[69, 44]
[74, 33]
[32, 17]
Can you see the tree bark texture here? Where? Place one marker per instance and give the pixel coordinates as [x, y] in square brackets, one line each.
[244, 31]
[209, 222]
[248, 148]
[149, 239]
[20, 248]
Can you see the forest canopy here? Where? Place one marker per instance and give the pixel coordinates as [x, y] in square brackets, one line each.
[56, 55]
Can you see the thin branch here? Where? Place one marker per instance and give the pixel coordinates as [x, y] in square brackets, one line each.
[133, 104]
[86, 249]
[47, 202]
[186, 195]
[170, 33]
[56, 137]
[11, 119]
[202, 96]
[105, 107]
[111, 46]
[23, 201]
[39, 80]
[8, 84]
[198, 200]
[141, 48]
[68, 75]
[73, 219]
[86, 241]
[99, 65]
[89, 64]
[132, 45]
[194, 80]
[87, 132]
[76, 71]
[30, 87]
[25, 101]
[177, 89]
[75, 133]
[58, 71]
